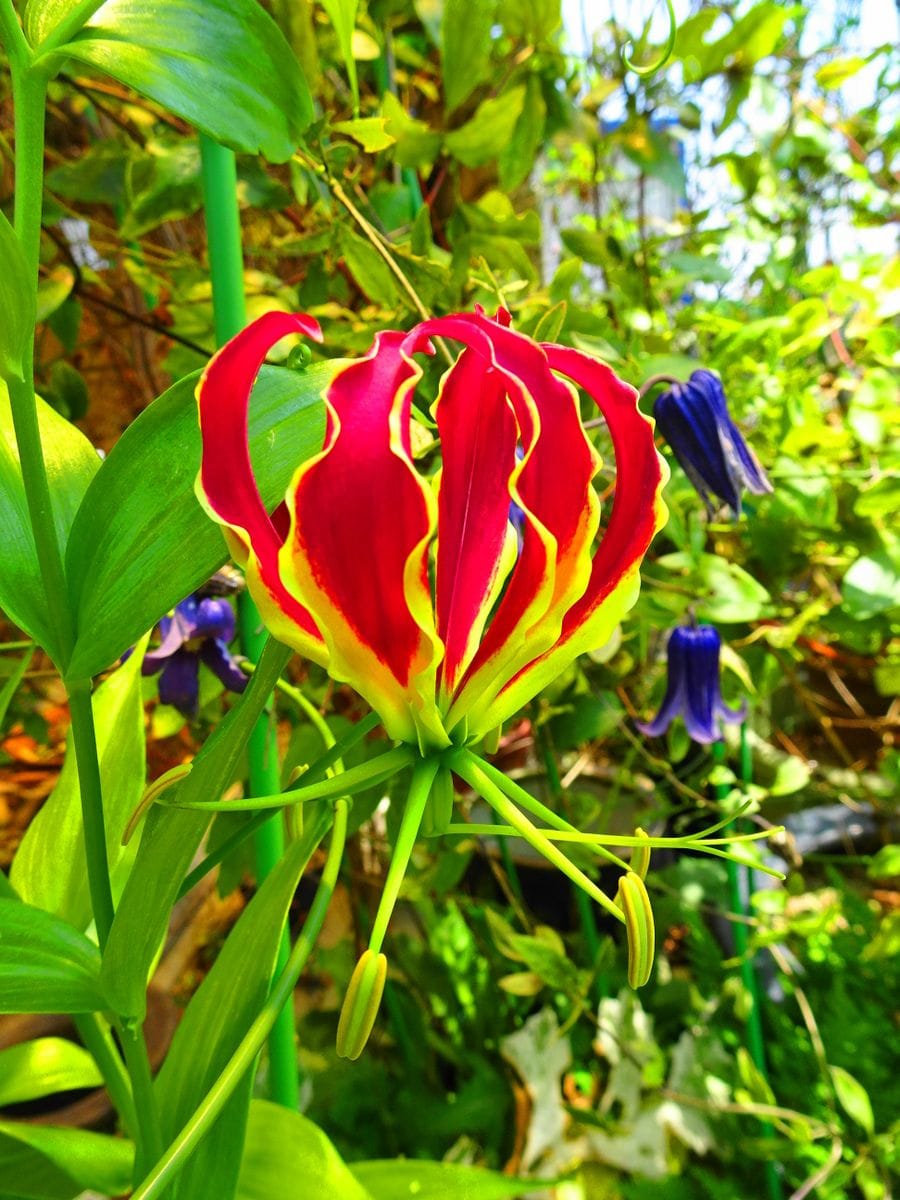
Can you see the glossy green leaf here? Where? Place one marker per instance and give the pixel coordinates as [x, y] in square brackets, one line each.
[393, 1178]
[16, 303]
[174, 51]
[484, 137]
[217, 1018]
[342, 14]
[287, 1156]
[369, 269]
[534, 21]
[853, 1098]
[43, 1067]
[169, 842]
[517, 157]
[417, 144]
[465, 48]
[141, 542]
[71, 463]
[11, 686]
[872, 586]
[46, 965]
[370, 132]
[94, 1161]
[48, 869]
[726, 591]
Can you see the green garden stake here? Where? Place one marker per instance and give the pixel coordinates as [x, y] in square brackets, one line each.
[739, 907]
[226, 264]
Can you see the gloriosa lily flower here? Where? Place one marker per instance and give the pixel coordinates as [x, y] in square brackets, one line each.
[446, 601]
[414, 590]
[694, 419]
[693, 691]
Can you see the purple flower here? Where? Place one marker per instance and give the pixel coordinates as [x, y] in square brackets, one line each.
[693, 417]
[198, 631]
[692, 690]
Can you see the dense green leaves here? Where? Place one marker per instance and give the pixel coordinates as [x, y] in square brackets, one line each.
[141, 542]
[46, 965]
[71, 463]
[48, 869]
[174, 50]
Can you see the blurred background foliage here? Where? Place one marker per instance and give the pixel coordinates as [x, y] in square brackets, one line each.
[736, 210]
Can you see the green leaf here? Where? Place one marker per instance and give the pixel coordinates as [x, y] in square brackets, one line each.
[288, 1156]
[43, 1067]
[390, 1179]
[465, 48]
[550, 326]
[482, 139]
[95, 1161]
[11, 686]
[882, 499]
[370, 132]
[71, 463]
[342, 14]
[417, 144]
[369, 269]
[885, 864]
[16, 304]
[871, 586]
[48, 869]
[172, 50]
[141, 542]
[535, 21]
[517, 159]
[45, 964]
[169, 842]
[836, 73]
[853, 1098]
[725, 591]
[217, 1018]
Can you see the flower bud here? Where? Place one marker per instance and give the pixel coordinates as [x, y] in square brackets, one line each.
[640, 856]
[360, 1007]
[634, 902]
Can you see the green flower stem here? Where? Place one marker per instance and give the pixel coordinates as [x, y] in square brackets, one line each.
[84, 738]
[419, 790]
[316, 771]
[149, 1143]
[96, 1035]
[587, 918]
[226, 262]
[737, 875]
[30, 93]
[356, 779]
[243, 1058]
[525, 800]
[474, 771]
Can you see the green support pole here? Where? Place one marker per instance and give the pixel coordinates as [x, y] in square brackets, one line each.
[226, 262]
[740, 885]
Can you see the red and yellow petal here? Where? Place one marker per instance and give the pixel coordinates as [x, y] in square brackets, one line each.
[476, 545]
[226, 487]
[552, 486]
[638, 512]
[357, 551]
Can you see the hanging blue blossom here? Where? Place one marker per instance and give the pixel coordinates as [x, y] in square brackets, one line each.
[693, 691]
[198, 631]
[693, 417]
